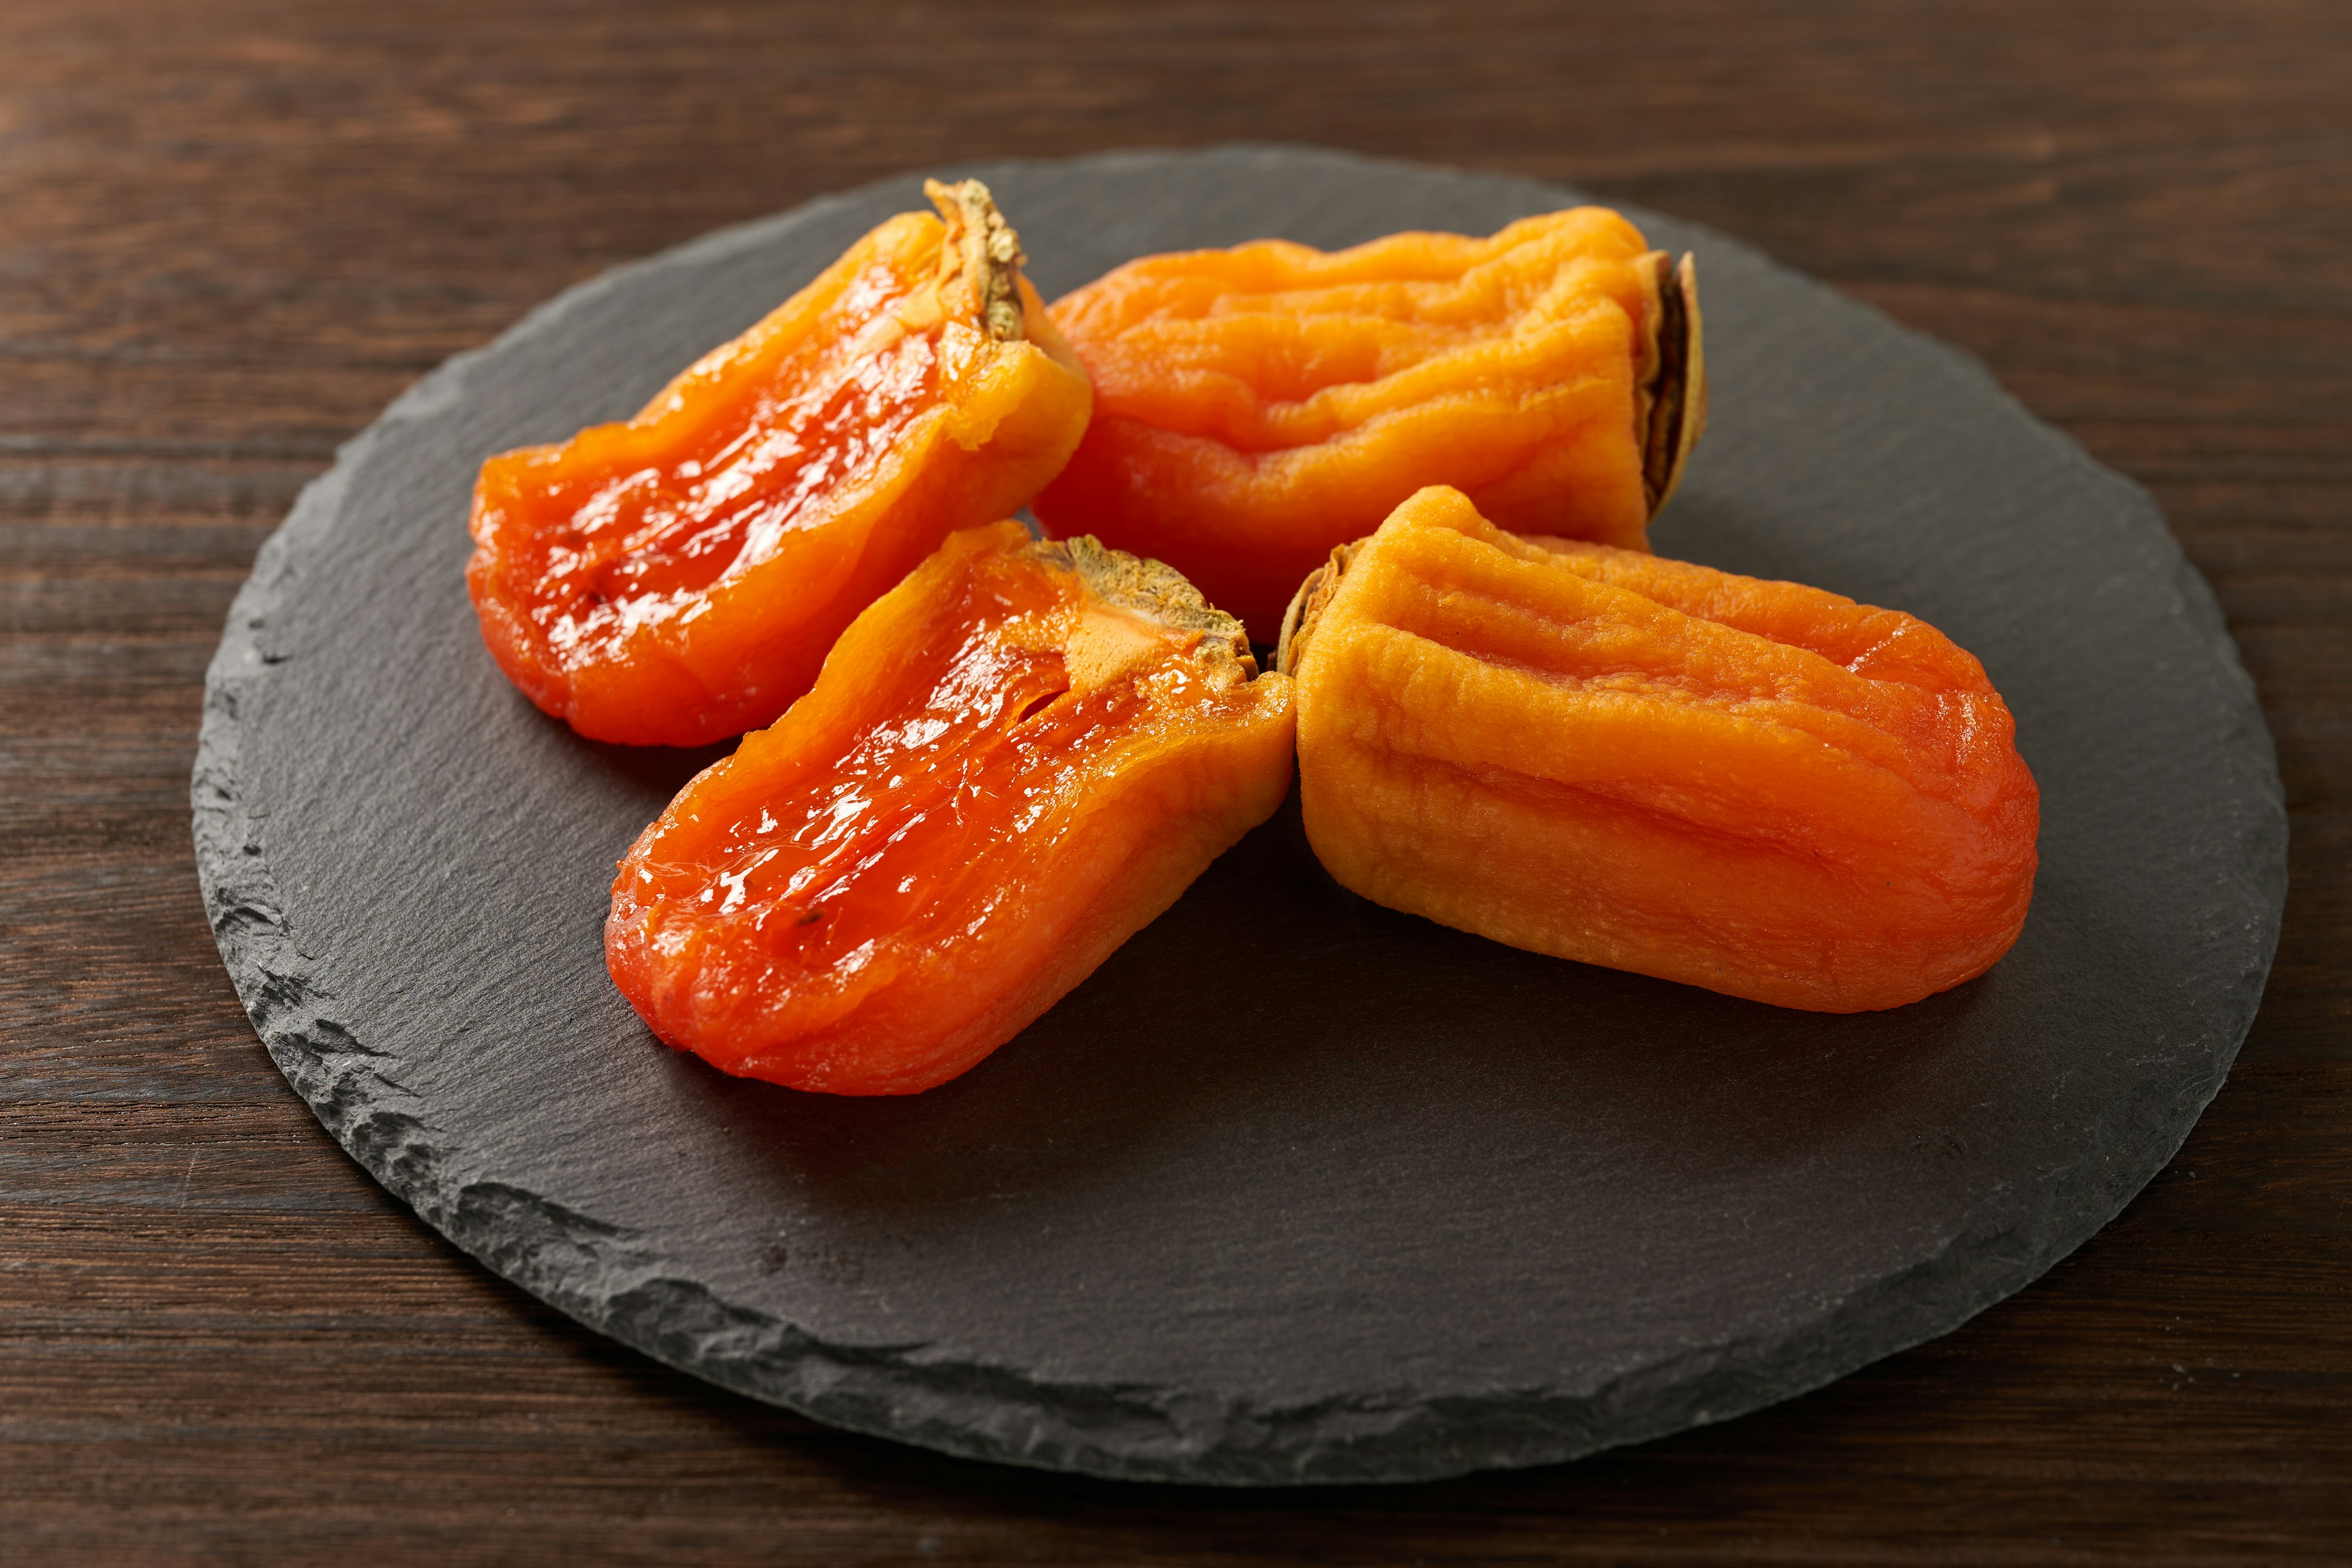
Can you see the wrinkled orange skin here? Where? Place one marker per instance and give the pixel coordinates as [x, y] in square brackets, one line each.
[677, 578]
[1757, 787]
[971, 810]
[1256, 406]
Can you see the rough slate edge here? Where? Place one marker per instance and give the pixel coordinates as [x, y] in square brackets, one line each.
[983, 1413]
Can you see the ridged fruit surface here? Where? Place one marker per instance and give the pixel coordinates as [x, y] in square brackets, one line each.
[1258, 406]
[1759, 788]
[1011, 762]
[677, 578]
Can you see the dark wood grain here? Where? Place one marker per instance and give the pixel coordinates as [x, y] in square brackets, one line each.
[230, 232]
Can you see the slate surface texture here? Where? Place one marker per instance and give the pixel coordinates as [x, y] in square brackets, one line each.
[1294, 1189]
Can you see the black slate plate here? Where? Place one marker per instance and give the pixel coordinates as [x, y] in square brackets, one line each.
[1294, 1188]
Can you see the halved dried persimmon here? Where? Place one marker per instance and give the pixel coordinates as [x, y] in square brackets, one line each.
[677, 578]
[1012, 761]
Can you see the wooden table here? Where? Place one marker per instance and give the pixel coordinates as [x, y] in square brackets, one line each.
[230, 232]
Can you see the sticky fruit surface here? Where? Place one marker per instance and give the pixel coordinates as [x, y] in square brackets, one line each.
[1012, 761]
[677, 578]
[1759, 788]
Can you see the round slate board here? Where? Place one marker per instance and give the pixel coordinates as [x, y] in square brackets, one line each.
[1294, 1188]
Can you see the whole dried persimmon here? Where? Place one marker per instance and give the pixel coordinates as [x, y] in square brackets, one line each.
[1012, 761]
[1254, 408]
[677, 578]
[1757, 787]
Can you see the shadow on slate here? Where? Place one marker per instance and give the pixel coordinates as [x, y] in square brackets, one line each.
[1294, 1189]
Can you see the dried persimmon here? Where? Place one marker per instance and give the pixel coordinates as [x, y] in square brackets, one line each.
[1012, 761]
[677, 578]
[1759, 788]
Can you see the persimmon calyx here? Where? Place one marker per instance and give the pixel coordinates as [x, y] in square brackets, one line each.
[1158, 595]
[980, 262]
[1307, 606]
[1670, 379]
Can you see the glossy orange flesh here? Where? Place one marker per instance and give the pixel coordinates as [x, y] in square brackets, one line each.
[677, 578]
[1006, 770]
[1258, 406]
[1757, 787]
